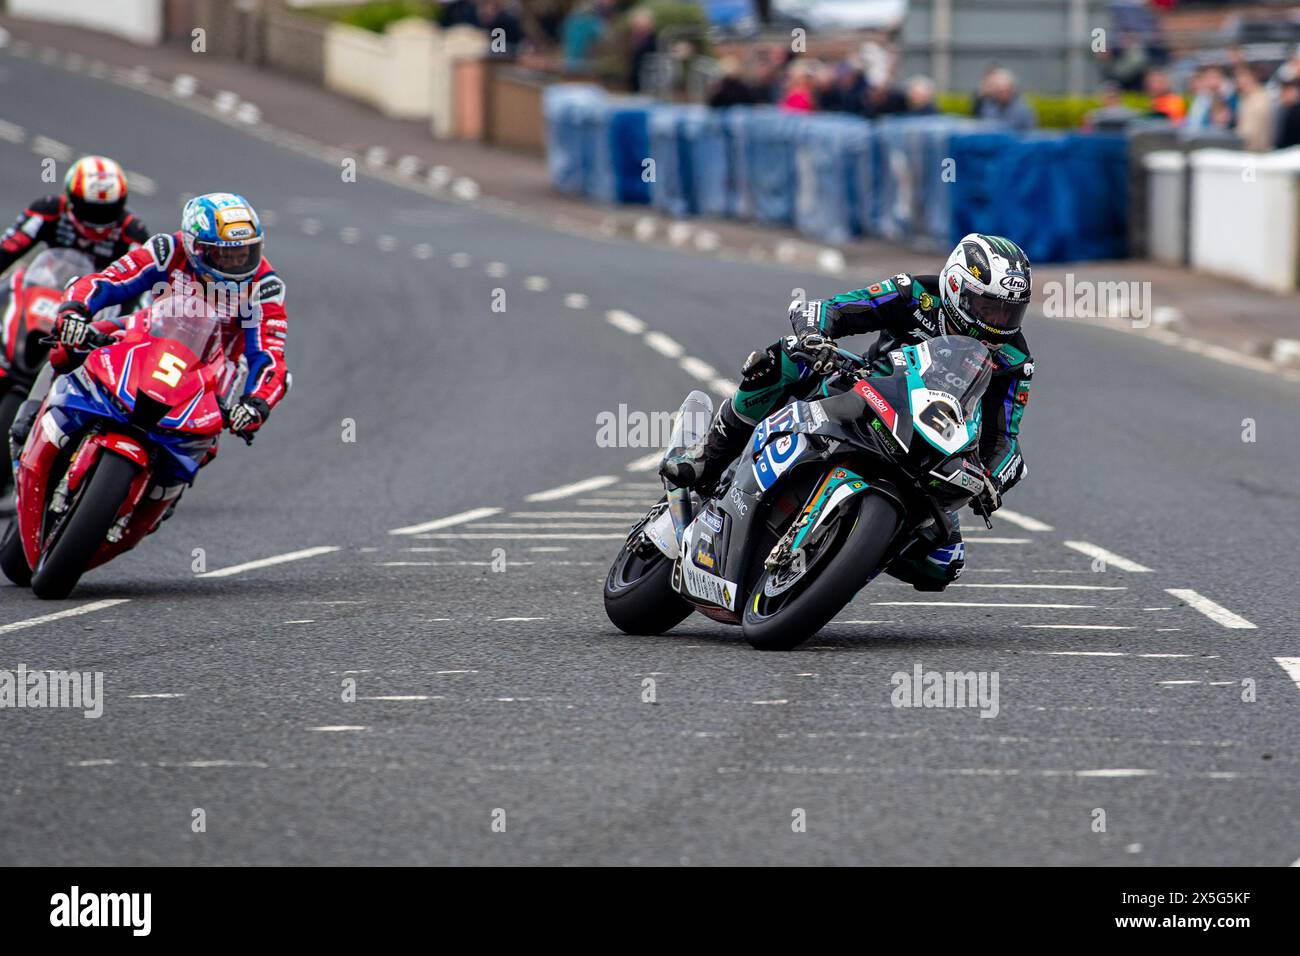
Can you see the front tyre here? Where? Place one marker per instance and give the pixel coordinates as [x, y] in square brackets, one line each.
[10, 402]
[13, 562]
[783, 622]
[639, 597]
[80, 533]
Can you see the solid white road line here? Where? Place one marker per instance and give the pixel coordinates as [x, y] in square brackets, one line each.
[268, 562]
[1215, 612]
[577, 487]
[90, 608]
[447, 522]
[1109, 557]
[1023, 521]
[1292, 667]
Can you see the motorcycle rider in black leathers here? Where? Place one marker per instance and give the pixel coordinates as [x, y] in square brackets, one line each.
[90, 216]
[983, 291]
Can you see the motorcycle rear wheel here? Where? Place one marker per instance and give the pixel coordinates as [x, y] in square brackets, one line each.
[786, 621]
[65, 559]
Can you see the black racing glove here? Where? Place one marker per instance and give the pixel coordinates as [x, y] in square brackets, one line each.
[817, 347]
[248, 416]
[72, 324]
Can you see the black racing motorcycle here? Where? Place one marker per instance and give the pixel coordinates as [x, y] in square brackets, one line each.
[833, 488]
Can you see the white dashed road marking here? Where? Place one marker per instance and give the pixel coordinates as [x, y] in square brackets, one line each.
[447, 522]
[1023, 521]
[577, 487]
[268, 562]
[90, 608]
[1109, 557]
[1215, 612]
[1292, 667]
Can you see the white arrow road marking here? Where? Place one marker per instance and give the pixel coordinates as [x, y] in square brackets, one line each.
[577, 487]
[1215, 612]
[268, 562]
[90, 608]
[1110, 557]
[447, 522]
[1292, 667]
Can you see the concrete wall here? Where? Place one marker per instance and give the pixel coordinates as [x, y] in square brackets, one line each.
[1245, 216]
[140, 21]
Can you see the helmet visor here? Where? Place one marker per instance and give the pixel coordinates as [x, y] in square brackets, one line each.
[993, 313]
[229, 261]
[98, 214]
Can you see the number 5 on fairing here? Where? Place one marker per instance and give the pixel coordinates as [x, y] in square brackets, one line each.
[169, 369]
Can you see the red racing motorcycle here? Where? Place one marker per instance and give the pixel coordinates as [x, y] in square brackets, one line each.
[116, 442]
[29, 303]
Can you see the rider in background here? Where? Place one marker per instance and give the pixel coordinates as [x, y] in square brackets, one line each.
[90, 216]
[982, 292]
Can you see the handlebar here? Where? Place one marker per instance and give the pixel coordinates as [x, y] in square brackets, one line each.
[95, 339]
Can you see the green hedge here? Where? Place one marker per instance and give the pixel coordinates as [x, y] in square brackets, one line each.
[1054, 112]
[375, 17]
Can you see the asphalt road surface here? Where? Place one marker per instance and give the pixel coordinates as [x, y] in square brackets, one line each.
[486, 694]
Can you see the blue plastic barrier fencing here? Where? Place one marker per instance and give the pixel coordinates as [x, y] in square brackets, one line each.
[925, 181]
[708, 153]
[568, 159]
[768, 156]
[621, 146]
[827, 155]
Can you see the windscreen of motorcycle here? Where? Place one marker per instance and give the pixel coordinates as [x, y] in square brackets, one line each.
[952, 375]
[55, 268]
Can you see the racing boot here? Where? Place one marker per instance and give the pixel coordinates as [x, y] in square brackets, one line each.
[701, 466]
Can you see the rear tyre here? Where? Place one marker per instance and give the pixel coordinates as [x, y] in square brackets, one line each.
[639, 597]
[66, 558]
[9, 405]
[13, 562]
[785, 622]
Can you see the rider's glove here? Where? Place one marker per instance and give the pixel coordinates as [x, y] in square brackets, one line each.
[248, 416]
[989, 500]
[818, 348]
[72, 325]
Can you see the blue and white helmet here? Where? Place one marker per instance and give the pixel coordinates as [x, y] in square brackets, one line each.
[222, 236]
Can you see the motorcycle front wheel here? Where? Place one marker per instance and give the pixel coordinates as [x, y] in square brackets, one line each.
[783, 620]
